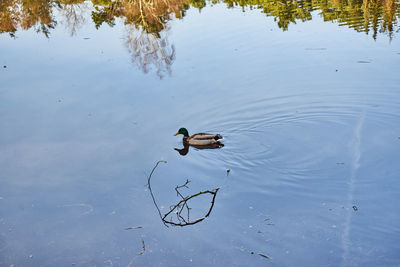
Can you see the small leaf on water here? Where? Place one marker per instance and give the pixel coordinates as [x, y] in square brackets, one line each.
[263, 255]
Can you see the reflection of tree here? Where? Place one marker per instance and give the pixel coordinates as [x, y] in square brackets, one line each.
[361, 15]
[73, 10]
[148, 49]
[151, 16]
[38, 14]
[9, 16]
[147, 26]
[26, 14]
[181, 209]
[147, 20]
[283, 11]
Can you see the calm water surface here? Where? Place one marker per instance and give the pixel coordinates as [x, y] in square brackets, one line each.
[305, 93]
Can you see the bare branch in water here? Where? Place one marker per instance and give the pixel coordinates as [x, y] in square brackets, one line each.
[143, 246]
[182, 204]
[139, 254]
[132, 228]
[151, 191]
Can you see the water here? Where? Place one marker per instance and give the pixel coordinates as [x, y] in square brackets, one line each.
[307, 98]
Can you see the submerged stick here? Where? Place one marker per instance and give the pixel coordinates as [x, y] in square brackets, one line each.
[149, 186]
[181, 204]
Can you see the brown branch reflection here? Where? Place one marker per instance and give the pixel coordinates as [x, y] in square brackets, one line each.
[73, 12]
[149, 50]
[146, 21]
[181, 209]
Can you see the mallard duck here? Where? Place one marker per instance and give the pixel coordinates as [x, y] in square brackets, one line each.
[200, 139]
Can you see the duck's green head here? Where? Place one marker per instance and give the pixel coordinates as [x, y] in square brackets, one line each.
[183, 131]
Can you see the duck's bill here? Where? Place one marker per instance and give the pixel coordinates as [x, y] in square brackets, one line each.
[176, 134]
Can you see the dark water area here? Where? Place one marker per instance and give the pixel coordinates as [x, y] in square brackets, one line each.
[305, 93]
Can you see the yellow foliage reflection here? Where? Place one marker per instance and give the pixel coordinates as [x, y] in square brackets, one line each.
[147, 20]
[153, 15]
[147, 39]
[26, 14]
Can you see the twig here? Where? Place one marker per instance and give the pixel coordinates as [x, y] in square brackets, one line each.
[213, 192]
[185, 203]
[178, 208]
[263, 255]
[132, 228]
[139, 254]
[143, 246]
[149, 186]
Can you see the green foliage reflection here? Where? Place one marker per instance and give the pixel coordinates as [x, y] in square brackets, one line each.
[152, 15]
[147, 20]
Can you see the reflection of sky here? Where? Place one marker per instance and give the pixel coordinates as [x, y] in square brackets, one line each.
[74, 172]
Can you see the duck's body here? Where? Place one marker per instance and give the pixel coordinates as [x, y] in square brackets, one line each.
[200, 139]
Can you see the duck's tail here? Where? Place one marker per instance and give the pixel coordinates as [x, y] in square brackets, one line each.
[218, 137]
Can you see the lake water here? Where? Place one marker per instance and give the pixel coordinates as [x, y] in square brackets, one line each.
[305, 93]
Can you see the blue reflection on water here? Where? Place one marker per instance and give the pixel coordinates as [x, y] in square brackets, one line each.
[308, 134]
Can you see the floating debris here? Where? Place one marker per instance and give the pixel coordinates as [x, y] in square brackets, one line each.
[143, 246]
[228, 171]
[4, 66]
[263, 255]
[86, 38]
[363, 61]
[340, 163]
[355, 208]
[133, 228]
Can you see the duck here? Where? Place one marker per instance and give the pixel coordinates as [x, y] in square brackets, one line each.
[200, 140]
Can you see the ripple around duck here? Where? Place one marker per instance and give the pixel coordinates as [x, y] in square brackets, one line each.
[294, 135]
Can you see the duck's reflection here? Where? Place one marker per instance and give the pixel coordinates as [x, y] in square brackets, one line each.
[183, 151]
[179, 214]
